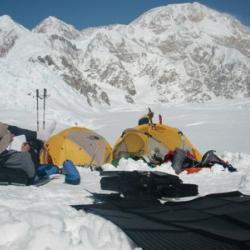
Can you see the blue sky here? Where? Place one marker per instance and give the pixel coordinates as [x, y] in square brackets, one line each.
[90, 13]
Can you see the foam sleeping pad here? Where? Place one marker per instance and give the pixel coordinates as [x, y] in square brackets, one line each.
[219, 221]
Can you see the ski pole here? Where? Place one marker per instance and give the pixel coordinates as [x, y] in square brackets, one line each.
[37, 109]
[44, 105]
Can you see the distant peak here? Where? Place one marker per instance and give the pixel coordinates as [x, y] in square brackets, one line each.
[53, 25]
[6, 23]
[51, 20]
[183, 7]
[7, 19]
[178, 14]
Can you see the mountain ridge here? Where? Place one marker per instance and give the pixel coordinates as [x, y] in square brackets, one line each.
[175, 53]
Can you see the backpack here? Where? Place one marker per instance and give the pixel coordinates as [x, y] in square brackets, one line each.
[13, 176]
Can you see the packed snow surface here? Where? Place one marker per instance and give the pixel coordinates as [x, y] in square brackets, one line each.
[41, 217]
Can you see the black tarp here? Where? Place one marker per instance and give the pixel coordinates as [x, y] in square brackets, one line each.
[220, 221]
[146, 185]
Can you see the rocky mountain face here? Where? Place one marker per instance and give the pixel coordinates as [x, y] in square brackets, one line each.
[175, 53]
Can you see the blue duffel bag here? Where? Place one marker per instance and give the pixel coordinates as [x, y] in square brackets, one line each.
[71, 173]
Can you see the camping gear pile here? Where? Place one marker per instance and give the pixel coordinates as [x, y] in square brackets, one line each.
[183, 161]
[45, 173]
[144, 185]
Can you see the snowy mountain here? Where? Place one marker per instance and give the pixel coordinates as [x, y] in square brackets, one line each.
[175, 53]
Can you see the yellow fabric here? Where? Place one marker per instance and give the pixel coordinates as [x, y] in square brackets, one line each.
[166, 135]
[69, 151]
[134, 143]
[60, 148]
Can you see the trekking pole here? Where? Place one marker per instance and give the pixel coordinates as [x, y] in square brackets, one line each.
[44, 105]
[37, 109]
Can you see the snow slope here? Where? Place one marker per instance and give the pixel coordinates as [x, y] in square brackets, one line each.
[40, 218]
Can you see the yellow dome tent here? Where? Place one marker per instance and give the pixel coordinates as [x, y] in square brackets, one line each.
[80, 145]
[144, 139]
